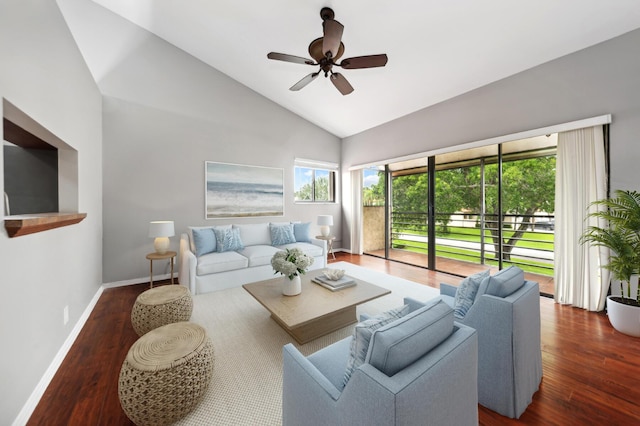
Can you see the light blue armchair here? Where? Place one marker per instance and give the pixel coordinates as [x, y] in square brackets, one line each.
[398, 383]
[509, 351]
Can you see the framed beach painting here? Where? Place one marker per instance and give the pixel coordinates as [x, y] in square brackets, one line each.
[235, 190]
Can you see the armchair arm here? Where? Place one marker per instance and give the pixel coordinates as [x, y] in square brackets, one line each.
[303, 386]
[300, 370]
[448, 289]
[323, 245]
[187, 265]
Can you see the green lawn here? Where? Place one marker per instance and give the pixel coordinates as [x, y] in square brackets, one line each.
[530, 240]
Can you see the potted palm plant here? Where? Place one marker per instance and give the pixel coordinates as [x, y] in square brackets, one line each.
[621, 235]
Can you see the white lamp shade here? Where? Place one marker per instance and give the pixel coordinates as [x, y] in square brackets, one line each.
[325, 221]
[161, 230]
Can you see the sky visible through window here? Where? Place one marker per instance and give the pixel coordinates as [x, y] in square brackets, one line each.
[302, 177]
[370, 177]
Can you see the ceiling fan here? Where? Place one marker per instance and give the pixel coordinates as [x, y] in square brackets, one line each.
[325, 51]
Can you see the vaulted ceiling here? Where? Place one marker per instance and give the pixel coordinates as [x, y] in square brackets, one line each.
[437, 49]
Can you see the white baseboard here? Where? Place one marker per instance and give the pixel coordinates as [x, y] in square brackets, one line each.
[41, 387]
[140, 281]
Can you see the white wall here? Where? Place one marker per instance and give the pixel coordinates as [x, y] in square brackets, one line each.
[165, 114]
[602, 79]
[44, 75]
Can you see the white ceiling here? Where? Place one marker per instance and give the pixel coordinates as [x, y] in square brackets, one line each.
[436, 49]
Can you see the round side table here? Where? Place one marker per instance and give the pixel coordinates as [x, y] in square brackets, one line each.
[166, 373]
[160, 256]
[160, 306]
[329, 239]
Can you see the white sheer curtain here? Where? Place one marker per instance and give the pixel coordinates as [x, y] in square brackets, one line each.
[356, 212]
[580, 180]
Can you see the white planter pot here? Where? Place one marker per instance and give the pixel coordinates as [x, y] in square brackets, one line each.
[292, 287]
[624, 318]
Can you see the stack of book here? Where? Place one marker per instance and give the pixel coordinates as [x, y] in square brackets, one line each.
[334, 285]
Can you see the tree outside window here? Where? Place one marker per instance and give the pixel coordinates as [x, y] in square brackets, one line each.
[314, 185]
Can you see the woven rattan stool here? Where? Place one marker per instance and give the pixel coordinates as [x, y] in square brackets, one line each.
[160, 306]
[166, 374]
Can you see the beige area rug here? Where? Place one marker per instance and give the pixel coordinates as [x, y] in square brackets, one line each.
[246, 388]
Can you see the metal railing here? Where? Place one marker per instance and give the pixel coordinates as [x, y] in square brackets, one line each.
[473, 238]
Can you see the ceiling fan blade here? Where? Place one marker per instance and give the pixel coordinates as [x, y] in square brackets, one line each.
[341, 83]
[290, 58]
[306, 80]
[332, 36]
[369, 61]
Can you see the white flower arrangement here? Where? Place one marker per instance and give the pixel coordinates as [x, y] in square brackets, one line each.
[291, 262]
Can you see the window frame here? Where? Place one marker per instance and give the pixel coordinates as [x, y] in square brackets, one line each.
[331, 170]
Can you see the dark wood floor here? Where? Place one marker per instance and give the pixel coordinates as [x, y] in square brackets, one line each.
[461, 268]
[591, 372]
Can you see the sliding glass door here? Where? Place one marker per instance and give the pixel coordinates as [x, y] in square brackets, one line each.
[374, 211]
[409, 220]
[462, 190]
[464, 211]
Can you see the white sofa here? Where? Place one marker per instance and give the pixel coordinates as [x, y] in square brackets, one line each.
[218, 270]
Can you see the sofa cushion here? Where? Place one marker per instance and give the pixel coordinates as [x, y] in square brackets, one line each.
[404, 341]
[466, 293]
[281, 234]
[259, 255]
[228, 239]
[302, 232]
[212, 263]
[362, 334]
[504, 282]
[307, 248]
[254, 234]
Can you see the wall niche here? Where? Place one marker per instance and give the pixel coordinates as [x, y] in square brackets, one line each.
[40, 176]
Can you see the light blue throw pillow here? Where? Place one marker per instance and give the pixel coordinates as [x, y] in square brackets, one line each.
[302, 232]
[466, 293]
[281, 234]
[362, 335]
[204, 240]
[228, 239]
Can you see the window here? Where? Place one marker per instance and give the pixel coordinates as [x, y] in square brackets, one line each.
[315, 181]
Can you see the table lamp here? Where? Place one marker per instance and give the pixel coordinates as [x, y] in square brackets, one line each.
[325, 221]
[161, 230]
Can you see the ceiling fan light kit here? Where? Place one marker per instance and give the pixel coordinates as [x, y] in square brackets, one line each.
[325, 51]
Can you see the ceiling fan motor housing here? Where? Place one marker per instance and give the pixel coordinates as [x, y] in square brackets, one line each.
[327, 13]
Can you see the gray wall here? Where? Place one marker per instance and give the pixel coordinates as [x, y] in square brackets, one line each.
[165, 114]
[44, 75]
[603, 79]
[31, 179]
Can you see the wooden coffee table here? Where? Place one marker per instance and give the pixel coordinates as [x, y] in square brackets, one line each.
[316, 311]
